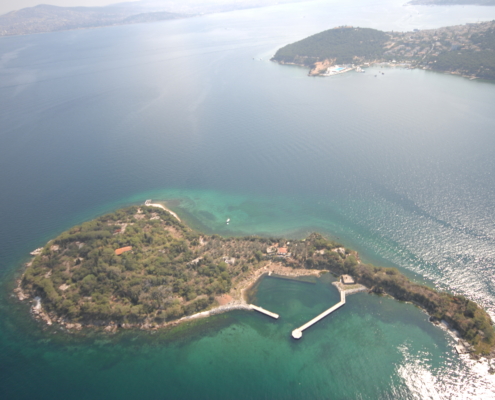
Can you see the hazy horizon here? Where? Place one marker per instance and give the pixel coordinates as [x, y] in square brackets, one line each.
[11, 5]
[165, 5]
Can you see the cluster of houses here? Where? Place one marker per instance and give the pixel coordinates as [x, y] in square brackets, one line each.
[278, 251]
[435, 41]
[283, 252]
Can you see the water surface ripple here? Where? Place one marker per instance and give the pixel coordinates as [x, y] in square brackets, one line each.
[399, 167]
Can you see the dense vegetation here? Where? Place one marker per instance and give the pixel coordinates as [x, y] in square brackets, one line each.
[169, 271]
[479, 62]
[342, 44]
[472, 322]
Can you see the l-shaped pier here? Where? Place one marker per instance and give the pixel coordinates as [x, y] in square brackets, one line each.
[297, 333]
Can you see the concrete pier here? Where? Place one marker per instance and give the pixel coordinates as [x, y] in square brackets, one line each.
[297, 333]
[263, 311]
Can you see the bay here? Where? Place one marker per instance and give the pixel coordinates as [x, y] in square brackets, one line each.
[191, 112]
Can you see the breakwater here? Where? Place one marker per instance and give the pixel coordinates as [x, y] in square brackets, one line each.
[297, 333]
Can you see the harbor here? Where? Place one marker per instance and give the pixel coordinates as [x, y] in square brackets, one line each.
[339, 69]
[345, 285]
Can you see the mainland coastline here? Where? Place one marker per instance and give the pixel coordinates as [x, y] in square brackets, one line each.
[104, 274]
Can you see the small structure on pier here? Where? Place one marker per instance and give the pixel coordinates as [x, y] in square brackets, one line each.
[347, 280]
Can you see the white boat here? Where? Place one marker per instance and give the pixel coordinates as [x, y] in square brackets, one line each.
[228, 220]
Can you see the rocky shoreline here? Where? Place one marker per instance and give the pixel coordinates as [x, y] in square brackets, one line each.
[237, 294]
[320, 69]
[238, 301]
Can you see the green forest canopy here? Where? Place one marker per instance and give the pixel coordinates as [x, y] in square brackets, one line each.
[342, 44]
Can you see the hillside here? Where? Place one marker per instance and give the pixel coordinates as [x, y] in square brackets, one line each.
[343, 44]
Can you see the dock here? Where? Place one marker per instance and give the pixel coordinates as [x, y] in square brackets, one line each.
[460, 349]
[263, 311]
[297, 333]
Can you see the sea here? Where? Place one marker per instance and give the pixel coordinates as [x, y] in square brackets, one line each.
[397, 164]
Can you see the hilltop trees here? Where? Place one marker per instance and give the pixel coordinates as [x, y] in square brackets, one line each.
[341, 44]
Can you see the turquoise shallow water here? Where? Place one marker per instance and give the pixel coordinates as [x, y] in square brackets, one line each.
[361, 351]
[190, 112]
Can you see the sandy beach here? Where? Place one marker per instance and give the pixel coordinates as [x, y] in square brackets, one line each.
[150, 204]
[236, 299]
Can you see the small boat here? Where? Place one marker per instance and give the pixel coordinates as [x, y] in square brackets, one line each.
[228, 220]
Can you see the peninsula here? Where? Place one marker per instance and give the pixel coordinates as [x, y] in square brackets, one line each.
[467, 50]
[141, 267]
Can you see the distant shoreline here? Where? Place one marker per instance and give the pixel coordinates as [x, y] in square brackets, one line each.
[465, 50]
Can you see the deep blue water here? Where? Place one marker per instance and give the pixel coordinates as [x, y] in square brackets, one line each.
[399, 167]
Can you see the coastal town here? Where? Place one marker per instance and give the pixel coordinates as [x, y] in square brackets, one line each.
[467, 50]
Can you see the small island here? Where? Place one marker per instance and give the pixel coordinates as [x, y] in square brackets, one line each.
[141, 267]
[466, 50]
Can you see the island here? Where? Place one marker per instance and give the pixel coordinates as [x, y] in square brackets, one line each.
[142, 267]
[467, 50]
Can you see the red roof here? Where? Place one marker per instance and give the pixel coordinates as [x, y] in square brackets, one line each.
[282, 250]
[118, 252]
